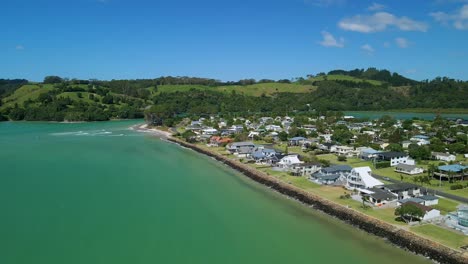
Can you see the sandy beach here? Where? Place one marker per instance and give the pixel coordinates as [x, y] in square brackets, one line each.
[153, 131]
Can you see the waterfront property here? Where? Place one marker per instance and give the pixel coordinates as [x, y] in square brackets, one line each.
[360, 178]
[403, 190]
[429, 213]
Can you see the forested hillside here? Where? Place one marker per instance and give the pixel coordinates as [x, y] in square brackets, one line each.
[167, 98]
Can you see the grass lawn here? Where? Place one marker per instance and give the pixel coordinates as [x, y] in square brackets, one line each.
[442, 235]
[353, 162]
[446, 206]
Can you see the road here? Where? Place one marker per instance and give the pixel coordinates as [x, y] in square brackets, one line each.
[436, 192]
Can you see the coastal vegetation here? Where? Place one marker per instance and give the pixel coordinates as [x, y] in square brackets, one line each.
[169, 98]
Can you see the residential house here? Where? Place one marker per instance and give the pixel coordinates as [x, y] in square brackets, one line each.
[403, 190]
[209, 131]
[296, 141]
[327, 147]
[429, 200]
[368, 153]
[345, 151]
[406, 144]
[289, 161]
[220, 141]
[443, 156]
[306, 169]
[454, 171]
[360, 178]
[420, 140]
[326, 137]
[408, 169]
[234, 147]
[378, 196]
[273, 128]
[331, 175]
[395, 158]
[263, 155]
[429, 213]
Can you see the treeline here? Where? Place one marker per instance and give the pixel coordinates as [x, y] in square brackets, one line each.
[8, 86]
[393, 79]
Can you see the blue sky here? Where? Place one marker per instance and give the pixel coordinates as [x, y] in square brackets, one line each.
[230, 40]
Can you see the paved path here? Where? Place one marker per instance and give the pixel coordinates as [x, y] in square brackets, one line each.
[436, 192]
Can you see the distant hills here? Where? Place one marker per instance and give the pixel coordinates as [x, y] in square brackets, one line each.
[61, 99]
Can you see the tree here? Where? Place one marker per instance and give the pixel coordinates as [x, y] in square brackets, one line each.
[283, 136]
[394, 147]
[108, 99]
[408, 212]
[52, 79]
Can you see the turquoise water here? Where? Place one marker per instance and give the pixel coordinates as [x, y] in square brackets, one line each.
[100, 193]
[402, 115]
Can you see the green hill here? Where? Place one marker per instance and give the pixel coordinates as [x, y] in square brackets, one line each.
[341, 77]
[258, 89]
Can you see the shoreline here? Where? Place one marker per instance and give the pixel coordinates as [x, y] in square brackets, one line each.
[399, 237]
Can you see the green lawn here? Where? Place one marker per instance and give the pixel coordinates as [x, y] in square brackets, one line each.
[446, 206]
[442, 235]
[353, 162]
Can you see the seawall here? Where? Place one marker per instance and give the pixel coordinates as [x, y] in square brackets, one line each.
[400, 237]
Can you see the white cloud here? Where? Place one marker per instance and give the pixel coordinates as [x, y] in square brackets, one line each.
[368, 49]
[380, 21]
[376, 7]
[387, 44]
[330, 41]
[458, 19]
[402, 42]
[19, 47]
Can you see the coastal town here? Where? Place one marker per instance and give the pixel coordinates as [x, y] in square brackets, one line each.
[410, 173]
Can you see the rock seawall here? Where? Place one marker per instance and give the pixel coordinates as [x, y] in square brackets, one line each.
[395, 235]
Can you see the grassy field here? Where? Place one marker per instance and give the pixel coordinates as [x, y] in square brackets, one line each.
[251, 90]
[30, 91]
[344, 78]
[446, 237]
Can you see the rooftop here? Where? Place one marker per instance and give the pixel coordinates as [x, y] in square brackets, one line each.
[452, 168]
[392, 154]
[402, 186]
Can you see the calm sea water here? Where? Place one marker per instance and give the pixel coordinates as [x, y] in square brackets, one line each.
[402, 115]
[99, 193]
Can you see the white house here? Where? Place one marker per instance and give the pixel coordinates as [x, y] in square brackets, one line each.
[421, 140]
[209, 131]
[306, 169]
[408, 169]
[345, 151]
[429, 213]
[443, 156]
[289, 161]
[273, 128]
[395, 158]
[360, 178]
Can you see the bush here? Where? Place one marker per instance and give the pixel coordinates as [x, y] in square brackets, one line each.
[456, 187]
[381, 165]
[341, 158]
